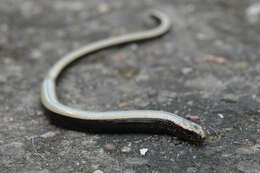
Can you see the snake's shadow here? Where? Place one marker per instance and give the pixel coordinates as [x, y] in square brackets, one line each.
[119, 127]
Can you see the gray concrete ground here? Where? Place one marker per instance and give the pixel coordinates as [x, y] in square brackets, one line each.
[207, 67]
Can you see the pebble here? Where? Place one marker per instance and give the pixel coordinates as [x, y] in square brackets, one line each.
[186, 70]
[48, 134]
[109, 147]
[192, 117]
[143, 151]
[123, 105]
[126, 149]
[230, 98]
[36, 54]
[221, 116]
[190, 103]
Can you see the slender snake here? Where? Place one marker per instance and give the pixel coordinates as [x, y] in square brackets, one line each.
[50, 100]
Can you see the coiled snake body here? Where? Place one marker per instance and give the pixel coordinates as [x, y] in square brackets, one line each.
[50, 101]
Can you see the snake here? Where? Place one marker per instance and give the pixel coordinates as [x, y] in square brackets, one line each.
[51, 102]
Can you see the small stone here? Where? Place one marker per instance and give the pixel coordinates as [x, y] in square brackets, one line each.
[123, 105]
[190, 103]
[109, 147]
[48, 134]
[202, 36]
[192, 117]
[143, 151]
[186, 70]
[221, 116]
[126, 149]
[98, 171]
[230, 98]
[36, 54]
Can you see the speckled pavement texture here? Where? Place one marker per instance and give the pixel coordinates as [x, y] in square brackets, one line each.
[207, 67]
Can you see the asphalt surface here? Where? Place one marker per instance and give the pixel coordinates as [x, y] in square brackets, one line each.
[207, 68]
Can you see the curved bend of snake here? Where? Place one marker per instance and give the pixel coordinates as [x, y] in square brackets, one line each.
[50, 100]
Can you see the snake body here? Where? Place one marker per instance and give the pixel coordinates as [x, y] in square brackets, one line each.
[50, 100]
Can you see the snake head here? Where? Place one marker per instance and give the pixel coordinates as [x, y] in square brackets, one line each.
[185, 129]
